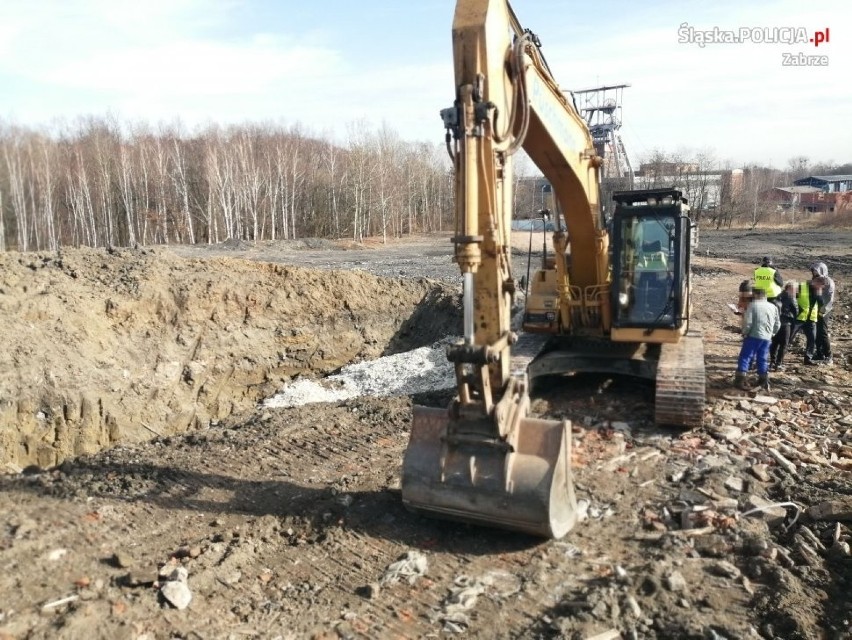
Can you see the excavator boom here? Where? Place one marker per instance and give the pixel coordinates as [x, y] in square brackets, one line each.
[483, 459]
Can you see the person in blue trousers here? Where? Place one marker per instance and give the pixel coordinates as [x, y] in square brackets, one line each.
[761, 321]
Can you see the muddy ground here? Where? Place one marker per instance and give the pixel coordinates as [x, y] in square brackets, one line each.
[135, 445]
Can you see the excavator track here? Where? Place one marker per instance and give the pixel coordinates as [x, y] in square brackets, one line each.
[681, 382]
[677, 369]
[527, 349]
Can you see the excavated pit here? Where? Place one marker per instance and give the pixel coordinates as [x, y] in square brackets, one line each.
[116, 346]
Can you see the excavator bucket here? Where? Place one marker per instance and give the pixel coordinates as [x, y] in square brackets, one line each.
[527, 487]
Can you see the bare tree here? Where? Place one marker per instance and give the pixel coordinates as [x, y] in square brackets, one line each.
[127, 191]
[17, 189]
[360, 175]
[181, 186]
[92, 184]
[161, 178]
[387, 170]
[296, 174]
[2, 224]
[799, 167]
[330, 155]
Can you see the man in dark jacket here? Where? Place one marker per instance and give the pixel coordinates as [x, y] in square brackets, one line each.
[789, 311]
[823, 334]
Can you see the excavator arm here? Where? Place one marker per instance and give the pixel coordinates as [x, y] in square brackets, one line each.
[506, 99]
[483, 460]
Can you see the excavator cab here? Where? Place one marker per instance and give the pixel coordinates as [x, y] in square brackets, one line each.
[651, 233]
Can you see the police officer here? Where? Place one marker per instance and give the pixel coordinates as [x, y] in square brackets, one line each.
[768, 279]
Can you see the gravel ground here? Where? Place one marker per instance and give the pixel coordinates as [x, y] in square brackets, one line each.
[286, 522]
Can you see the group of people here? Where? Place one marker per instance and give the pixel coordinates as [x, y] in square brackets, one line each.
[775, 311]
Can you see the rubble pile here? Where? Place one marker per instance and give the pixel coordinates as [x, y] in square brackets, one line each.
[751, 513]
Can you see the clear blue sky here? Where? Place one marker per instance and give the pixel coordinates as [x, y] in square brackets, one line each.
[335, 65]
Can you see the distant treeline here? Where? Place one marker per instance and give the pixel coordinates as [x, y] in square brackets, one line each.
[96, 183]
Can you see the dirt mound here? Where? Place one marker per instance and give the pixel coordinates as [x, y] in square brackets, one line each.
[114, 346]
[699, 270]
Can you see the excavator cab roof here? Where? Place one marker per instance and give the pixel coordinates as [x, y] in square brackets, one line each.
[645, 197]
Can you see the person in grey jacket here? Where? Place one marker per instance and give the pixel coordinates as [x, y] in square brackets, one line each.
[823, 333]
[761, 321]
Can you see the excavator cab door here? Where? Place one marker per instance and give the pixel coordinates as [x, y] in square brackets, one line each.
[650, 240]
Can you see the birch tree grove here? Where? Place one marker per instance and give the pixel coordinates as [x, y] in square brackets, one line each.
[2, 226]
[98, 183]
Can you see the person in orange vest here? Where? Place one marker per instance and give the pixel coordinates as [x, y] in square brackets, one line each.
[768, 278]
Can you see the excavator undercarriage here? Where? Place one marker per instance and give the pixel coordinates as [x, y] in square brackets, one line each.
[457, 468]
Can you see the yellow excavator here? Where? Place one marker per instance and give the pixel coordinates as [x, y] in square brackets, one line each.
[614, 297]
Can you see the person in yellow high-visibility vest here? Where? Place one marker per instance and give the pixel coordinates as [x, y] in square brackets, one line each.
[809, 300]
[768, 279]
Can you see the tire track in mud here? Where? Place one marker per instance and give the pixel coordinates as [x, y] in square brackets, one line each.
[375, 530]
[304, 533]
[326, 531]
[359, 541]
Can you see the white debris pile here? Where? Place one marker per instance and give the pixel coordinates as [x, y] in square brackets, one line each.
[175, 589]
[409, 567]
[423, 369]
[465, 593]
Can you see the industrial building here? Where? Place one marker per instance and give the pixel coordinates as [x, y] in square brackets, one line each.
[827, 184]
[812, 194]
[704, 189]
